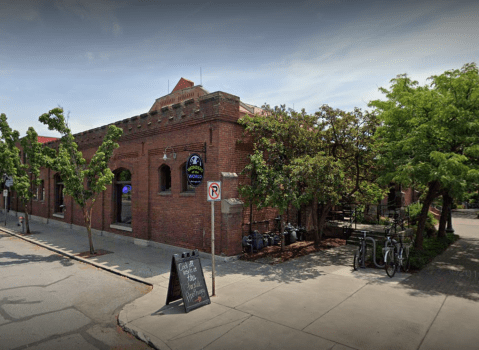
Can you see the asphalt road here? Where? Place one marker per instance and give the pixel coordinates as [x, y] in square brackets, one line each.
[51, 302]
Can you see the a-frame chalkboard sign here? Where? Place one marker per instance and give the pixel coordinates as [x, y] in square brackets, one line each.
[187, 281]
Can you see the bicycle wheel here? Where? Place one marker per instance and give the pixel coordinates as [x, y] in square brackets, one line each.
[357, 259]
[390, 263]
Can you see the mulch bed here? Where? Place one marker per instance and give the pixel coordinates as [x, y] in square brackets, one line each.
[98, 252]
[274, 254]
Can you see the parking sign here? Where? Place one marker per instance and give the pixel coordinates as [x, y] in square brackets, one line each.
[214, 191]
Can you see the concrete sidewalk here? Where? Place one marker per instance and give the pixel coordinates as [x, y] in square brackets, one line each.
[314, 302]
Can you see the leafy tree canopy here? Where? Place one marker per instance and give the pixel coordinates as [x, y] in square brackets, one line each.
[430, 134]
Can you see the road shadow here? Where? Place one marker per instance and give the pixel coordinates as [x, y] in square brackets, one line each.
[18, 259]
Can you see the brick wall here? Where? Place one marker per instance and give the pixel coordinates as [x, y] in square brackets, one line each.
[175, 217]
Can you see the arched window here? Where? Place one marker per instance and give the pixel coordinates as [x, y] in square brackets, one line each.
[59, 196]
[185, 186]
[165, 178]
[122, 196]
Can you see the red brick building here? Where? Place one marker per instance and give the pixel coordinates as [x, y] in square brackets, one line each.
[150, 198]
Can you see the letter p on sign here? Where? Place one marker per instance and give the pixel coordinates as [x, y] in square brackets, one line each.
[214, 191]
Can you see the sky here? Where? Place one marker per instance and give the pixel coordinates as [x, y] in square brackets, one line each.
[104, 60]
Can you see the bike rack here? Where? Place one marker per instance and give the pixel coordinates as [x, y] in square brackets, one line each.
[363, 266]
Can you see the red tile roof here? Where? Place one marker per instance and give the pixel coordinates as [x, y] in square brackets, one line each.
[43, 139]
[183, 84]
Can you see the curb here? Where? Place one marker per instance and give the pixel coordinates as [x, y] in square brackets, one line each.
[86, 261]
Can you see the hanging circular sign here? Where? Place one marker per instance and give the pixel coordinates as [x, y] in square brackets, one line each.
[194, 170]
[126, 189]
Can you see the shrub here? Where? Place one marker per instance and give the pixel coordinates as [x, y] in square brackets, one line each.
[415, 211]
[432, 247]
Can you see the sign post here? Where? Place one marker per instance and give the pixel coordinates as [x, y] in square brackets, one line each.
[214, 195]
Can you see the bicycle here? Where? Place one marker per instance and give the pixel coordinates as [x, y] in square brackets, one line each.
[360, 253]
[359, 259]
[394, 257]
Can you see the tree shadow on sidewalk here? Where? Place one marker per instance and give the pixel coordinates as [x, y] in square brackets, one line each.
[17, 259]
[455, 272]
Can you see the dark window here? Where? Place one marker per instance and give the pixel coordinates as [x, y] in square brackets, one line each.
[59, 195]
[123, 191]
[185, 186]
[165, 178]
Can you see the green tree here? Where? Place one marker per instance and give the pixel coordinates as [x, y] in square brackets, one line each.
[83, 181]
[9, 153]
[430, 134]
[342, 167]
[310, 159]
[278, 137]
[25, 172]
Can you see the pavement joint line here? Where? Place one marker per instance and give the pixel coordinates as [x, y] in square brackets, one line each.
[235, 307]
[437, 314]
[86, 261]
[221, 336]
[207, 329]
[295, 329]
[335, 306]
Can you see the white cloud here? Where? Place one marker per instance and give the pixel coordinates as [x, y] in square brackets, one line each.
[347, 66]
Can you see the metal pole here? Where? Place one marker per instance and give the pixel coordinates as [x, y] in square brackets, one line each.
[213, 245]
[5, 210]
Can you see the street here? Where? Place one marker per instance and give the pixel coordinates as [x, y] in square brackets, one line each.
[48, 301]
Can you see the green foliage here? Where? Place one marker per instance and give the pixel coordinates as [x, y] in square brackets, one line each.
[83, 180]
[432, 247]
[278, 138]
[415, 211]
[25, 174]
[430, 134]
[75, 171]
[302, 159]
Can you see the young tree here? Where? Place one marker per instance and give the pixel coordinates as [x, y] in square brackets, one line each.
[9, 153]
[431, 134]
[82, 181]
[25, 171]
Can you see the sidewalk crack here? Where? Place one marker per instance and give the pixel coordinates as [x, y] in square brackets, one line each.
[221, 336]
[334, 307]
[438, 311]
[207, 329]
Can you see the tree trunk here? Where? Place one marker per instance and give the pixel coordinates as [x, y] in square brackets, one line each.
[27, 222]
[325, 208]
[281, 231]
[317, 238]
[87, 218]
[431, 194]
[446, 207]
